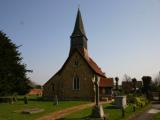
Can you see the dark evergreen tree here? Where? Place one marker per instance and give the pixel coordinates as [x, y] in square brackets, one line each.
[12, 71]
[147, 85]
[116, 79]
[134, 83]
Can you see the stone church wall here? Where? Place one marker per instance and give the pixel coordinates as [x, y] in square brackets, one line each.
[63, 82]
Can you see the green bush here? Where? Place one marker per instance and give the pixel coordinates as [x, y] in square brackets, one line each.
[130, 98]
[140, 101]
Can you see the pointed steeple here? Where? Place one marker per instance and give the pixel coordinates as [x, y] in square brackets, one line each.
[78, 28]
[78, 37]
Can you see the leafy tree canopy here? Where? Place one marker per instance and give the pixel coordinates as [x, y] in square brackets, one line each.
[13, 77]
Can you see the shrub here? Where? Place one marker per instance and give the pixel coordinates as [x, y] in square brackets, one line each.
[140, 101]
[130, 98]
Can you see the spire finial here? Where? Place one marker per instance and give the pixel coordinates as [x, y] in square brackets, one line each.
[79, 6]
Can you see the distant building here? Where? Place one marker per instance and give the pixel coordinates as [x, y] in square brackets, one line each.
[35, 92]
[75, 78]
[106, 88]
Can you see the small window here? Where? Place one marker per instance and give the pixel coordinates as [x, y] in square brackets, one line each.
[53, 87]
[76, 63]
[76, 83]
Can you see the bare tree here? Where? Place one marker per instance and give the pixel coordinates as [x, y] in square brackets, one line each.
[156, 82]
[127, 84]
[126, 78]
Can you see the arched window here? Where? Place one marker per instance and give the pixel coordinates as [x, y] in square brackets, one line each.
[76, 83]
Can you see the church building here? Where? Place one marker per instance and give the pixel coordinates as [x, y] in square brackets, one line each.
[75, 79]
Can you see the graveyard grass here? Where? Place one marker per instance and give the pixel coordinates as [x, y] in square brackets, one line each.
[11, 111]
[112, 113]
[157, 116]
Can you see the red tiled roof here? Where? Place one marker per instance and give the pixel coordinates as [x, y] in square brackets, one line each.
[91, 63]
[95, 67]
[35, 92]
[106, 82]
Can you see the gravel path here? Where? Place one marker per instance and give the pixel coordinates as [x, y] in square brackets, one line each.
[148, 114]
[62, 113]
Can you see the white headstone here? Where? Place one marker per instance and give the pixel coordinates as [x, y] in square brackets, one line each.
[120, 101]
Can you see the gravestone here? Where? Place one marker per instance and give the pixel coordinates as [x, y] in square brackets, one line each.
[25, 100]
[120, 101]
[55, 100]
[97, 111]
[32, 110]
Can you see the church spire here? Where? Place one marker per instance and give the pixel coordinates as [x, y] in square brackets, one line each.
[78, 28]
[78, 37]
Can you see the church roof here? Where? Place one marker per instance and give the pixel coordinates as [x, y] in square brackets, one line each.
[78, 28]
[92, 65]
[96, 69]
[106, 82]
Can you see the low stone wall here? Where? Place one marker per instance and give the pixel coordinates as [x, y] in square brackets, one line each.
[8, 99]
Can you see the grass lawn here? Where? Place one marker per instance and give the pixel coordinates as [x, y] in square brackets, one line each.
[113, 114]
[157, 116]
[8, 111]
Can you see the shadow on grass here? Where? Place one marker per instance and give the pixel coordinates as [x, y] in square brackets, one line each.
[111, 107]
[83, 118]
